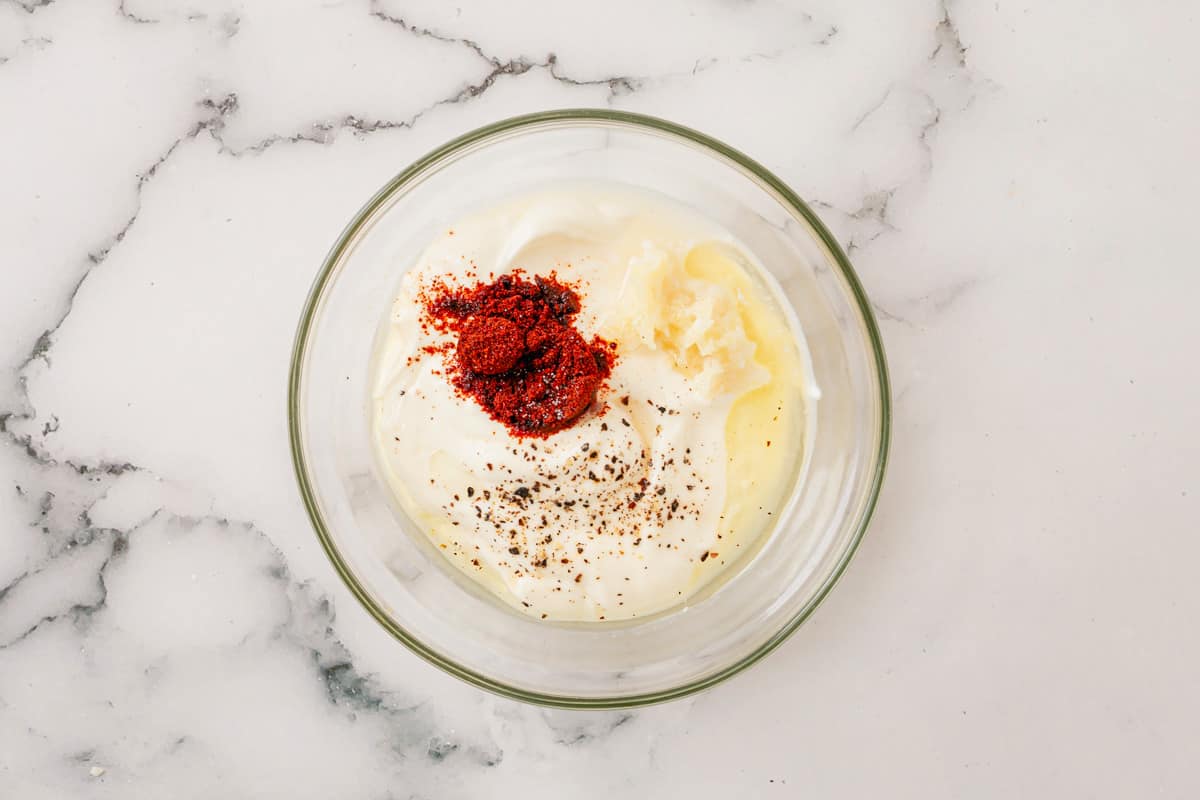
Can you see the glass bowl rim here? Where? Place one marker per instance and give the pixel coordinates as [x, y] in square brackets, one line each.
[599, 117]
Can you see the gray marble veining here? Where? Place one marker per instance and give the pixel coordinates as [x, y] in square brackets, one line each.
[1015, 184]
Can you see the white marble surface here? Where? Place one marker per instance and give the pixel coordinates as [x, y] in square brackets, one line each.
[1016, 183]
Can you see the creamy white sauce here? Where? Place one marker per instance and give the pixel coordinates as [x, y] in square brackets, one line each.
[628, 511]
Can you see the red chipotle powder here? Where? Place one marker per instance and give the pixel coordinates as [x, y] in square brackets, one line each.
[516, 353]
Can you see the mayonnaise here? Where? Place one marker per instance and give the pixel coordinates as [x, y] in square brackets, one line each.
[680, 463]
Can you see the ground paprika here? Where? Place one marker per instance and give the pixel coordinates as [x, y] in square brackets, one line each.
[515, 350]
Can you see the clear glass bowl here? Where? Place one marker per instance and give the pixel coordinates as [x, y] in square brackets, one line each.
[414, 593]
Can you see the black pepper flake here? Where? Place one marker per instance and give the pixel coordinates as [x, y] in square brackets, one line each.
[513, 551]
[625, 400]
[585, 446]
[625, 422]
[470, 491]
[521, 491]
[704, 556]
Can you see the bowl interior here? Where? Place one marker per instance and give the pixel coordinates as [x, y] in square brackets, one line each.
[413, 591]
